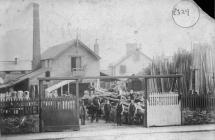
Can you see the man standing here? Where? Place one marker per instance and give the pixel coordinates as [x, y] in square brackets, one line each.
[91, 111]
[82, 113]
[119, 112]
[107, 109]
[131, 112]
[96, 104]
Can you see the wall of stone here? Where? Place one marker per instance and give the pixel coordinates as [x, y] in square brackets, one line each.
[20, 124]
[198, 116]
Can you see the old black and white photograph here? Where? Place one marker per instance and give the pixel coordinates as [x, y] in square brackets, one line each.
[107, 69]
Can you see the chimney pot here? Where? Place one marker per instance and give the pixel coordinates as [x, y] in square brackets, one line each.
[96, 47]
[131, 48]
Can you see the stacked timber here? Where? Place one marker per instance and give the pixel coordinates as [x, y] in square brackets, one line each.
[197, 67]
[204, 63]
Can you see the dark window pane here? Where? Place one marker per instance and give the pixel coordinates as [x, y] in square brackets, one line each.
[48, 74]
[73, 63]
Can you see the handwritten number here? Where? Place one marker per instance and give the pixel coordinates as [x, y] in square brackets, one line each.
[181, 12]
[188, 12]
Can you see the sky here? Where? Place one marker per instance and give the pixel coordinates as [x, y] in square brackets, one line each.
[113, 22]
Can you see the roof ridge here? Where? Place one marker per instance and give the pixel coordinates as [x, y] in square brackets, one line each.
[50, 53]
[128, 55]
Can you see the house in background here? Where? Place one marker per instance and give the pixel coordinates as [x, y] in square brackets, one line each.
[132, 63]
[10, 70]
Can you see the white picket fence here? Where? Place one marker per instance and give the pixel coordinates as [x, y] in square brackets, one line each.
[169, 98]
[163, 109]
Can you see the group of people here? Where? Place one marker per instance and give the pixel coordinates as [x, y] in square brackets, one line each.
[96, 108]
[130, 114]
[90, 108]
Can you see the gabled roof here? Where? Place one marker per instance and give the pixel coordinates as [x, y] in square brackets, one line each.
[127, 56]
[57, 50]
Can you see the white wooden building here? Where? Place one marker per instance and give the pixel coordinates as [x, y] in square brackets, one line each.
[132, 63]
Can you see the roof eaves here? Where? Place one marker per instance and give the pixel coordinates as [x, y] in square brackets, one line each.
[87, 48]
[122, 59]
[58, 53]
[127, 56]
[145, 55]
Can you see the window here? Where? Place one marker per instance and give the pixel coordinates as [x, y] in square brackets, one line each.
[47, 63]
[47, 73]
[122, 69]
[7, 72]
[75, 63]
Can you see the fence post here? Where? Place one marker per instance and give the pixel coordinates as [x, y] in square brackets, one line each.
[146, 99]
[40, 105]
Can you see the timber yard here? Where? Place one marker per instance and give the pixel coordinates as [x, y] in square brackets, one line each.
[69, 91]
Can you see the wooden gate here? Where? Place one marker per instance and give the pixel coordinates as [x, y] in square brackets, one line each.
[163, 109]
[58, 114]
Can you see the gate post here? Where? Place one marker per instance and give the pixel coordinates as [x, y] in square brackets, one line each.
[146, 99]
[40, 105]
[180, 97]
[77, 100]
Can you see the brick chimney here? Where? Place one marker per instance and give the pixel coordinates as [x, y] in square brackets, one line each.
[36, 38]
[131, 48]
[96, 47]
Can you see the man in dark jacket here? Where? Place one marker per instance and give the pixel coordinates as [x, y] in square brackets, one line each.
[82, 113]
[131, 112]
[107, 109]
[91, 111]
[96, 110]
[119, 112]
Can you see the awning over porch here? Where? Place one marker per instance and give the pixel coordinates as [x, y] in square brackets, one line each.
[58, 85]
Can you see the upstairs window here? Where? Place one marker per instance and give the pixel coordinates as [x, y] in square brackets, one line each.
[75, 63]
[47, 74]
[8, 72]
[122, 69]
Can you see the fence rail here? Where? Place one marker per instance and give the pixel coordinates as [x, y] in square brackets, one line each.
[58, 103]
[18, 107]
[21, 107]
[198, 101]
[163, 98]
